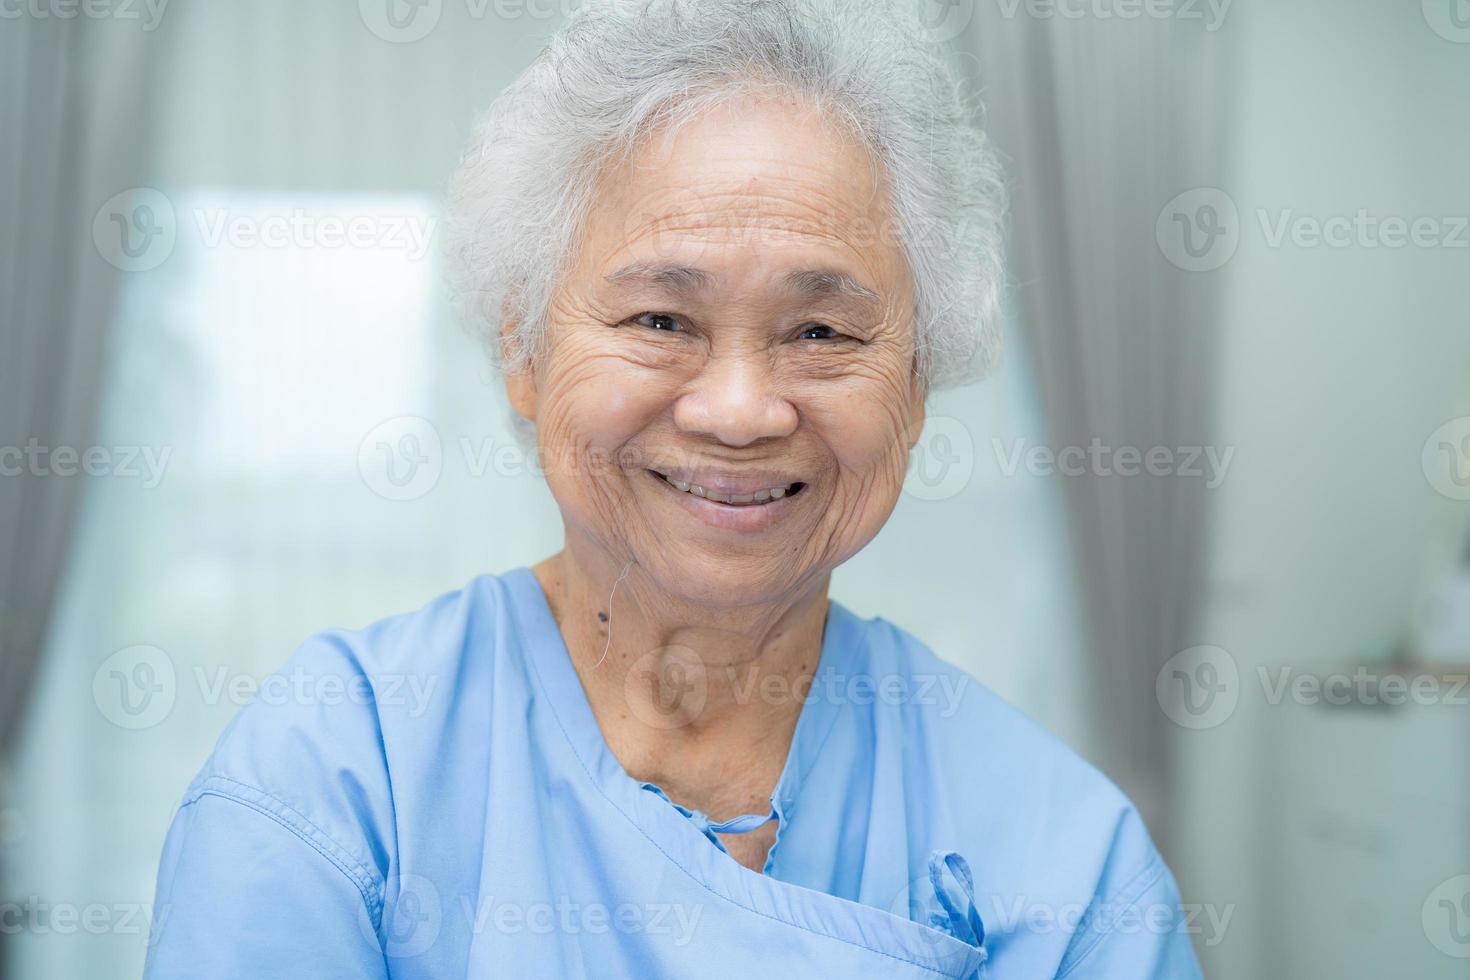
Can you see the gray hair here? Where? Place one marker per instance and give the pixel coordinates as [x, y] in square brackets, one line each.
[619, 68]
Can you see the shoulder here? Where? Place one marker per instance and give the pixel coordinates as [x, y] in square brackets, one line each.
[1046, 832]
[322, 745]
[970, 728]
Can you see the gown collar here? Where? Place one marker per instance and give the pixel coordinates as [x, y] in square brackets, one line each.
[841, 645]
[932, 941]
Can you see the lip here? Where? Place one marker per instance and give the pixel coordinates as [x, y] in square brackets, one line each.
[729, 517]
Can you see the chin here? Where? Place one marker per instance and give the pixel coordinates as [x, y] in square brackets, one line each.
[724, 581]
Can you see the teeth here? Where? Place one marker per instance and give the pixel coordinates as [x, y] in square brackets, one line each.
[759, 497]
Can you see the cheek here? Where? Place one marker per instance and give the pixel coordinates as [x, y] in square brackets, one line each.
[871, 443]
[867, 436]
[590, 406]
[867, 426]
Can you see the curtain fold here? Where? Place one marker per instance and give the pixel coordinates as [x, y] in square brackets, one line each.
[71, 112]
[1103, 122]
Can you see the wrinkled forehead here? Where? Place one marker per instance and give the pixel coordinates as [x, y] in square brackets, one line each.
[754, 177]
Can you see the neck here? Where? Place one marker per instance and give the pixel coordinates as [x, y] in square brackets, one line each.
[702, 701]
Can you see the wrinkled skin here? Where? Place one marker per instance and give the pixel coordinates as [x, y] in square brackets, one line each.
[749, 193]
[731, 373]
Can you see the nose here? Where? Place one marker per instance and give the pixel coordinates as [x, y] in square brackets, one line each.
[734, 401]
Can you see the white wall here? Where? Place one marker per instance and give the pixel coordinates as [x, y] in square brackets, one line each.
[1336, 365]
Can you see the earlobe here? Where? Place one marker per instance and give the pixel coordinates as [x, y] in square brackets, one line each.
[520, 389]
[917, 395]
[520, 381]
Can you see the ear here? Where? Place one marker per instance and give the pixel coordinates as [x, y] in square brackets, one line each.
[918, 394]
[520, 384]
[520, 388]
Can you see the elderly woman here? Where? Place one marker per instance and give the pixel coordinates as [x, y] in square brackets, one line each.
[726, 248]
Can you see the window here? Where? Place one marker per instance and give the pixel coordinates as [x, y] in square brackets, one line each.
[319, 445]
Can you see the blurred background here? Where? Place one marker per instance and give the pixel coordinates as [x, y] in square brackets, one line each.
[1207, 522]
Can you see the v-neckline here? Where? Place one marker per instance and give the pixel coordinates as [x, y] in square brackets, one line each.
[678, 838]
[563, 685]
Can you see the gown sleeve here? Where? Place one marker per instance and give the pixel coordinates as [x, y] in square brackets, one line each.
[1141, 931]
[243, 894]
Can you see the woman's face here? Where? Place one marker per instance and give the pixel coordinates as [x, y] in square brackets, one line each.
[737, 321]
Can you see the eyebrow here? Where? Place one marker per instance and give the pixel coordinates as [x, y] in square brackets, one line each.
[687, 280]
[674, 278]
[828, 282]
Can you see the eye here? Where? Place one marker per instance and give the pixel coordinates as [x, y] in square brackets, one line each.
[817, 331]
[658, 321]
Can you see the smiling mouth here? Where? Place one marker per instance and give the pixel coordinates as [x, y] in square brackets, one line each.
[755, 499]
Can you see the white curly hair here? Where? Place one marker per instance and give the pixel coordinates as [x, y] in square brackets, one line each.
[620, 68]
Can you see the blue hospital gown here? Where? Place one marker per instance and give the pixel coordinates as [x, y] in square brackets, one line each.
[436, 800]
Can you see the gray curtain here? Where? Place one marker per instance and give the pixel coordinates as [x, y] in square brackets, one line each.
[71, 121]
[1103, 121]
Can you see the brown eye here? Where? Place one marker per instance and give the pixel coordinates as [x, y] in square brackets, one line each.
[817, 331]
[658, 321]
